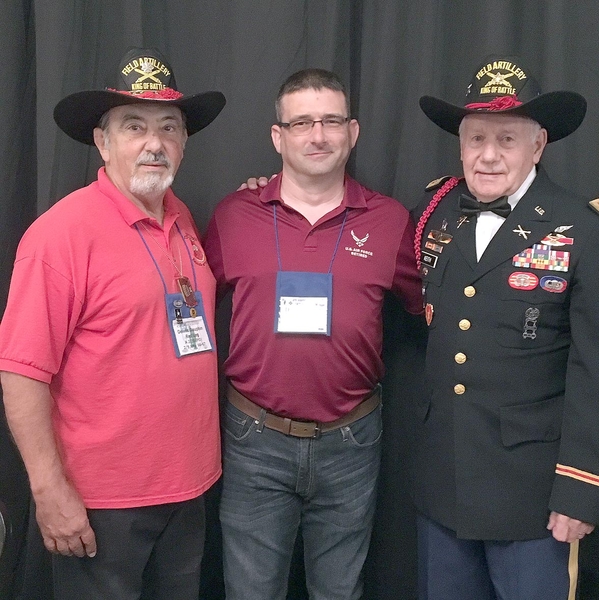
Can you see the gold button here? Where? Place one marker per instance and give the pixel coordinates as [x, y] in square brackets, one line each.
[459, 389]
[464, 324]
[469, 291]
[460, 358]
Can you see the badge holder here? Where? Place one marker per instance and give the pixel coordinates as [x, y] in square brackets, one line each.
[303, 302]
[187, 325]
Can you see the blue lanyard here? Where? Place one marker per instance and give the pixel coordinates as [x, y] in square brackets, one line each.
[274, 212]
[143, 239]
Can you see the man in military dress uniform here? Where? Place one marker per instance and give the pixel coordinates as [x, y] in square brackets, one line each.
[507, 460]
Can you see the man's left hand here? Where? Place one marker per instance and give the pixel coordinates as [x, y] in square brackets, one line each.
[566, 529]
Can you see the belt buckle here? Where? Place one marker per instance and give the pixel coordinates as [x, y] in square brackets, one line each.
[305, 429]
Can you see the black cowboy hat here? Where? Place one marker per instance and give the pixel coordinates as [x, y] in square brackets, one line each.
[144, 76]
[501, 84]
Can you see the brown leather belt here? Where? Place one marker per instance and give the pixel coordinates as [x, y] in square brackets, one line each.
[303, 429]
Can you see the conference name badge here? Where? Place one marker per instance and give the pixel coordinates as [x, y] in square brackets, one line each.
[303, 302]
[187, 324]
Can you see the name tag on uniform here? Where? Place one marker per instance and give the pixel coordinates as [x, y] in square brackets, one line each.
[187, 324]
[303, 302]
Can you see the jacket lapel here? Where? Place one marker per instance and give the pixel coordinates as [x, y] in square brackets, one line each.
[463, 232]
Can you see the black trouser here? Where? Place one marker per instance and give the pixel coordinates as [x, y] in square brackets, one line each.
[152, 552]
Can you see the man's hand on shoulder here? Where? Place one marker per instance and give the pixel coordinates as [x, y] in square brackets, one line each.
[63, 521]
[566, 529]
[253, 183]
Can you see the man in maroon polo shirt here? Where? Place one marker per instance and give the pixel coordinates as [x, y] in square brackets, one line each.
[308, 258]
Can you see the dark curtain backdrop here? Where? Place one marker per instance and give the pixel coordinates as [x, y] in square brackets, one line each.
[390, 52]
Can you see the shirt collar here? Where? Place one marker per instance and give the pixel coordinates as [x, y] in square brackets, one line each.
[130, 212]
[517, 195]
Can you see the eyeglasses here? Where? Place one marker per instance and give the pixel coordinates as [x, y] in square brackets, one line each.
[304, 126]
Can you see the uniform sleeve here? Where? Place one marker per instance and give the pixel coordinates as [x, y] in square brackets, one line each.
[407, 284]
[576, 488]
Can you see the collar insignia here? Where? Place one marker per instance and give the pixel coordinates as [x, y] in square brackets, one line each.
[521, 232]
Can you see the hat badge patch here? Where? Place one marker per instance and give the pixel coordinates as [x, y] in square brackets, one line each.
[148, 74]
[503, 84]
[143, 76]
[500, 74]
[148, 77]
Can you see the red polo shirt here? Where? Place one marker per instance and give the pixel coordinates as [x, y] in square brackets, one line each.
[136, 426]
[307, 376]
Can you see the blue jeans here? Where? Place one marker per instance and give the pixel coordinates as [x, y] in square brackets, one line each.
[273, 483]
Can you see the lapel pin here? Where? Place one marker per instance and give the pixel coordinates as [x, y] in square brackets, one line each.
[540, 210]
[463, 219]
[521, 232]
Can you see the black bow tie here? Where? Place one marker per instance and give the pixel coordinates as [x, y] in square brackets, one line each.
[471, 207]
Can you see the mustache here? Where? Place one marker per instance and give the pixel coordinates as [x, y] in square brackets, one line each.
[158, 158]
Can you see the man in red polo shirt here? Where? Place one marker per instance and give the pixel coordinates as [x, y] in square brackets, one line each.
[108, 370]
[308, 258]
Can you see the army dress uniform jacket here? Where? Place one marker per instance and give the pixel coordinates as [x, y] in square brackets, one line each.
[509, 425]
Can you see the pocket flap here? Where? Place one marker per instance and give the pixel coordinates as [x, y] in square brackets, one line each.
[535, 422]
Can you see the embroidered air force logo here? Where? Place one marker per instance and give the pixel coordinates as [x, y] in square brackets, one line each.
[357, 250]
[359, 241]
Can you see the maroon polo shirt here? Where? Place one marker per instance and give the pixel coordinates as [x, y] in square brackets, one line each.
[310, 376]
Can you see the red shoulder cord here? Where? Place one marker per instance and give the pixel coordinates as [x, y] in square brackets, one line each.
[441, 192]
